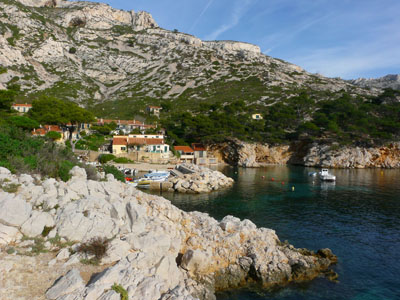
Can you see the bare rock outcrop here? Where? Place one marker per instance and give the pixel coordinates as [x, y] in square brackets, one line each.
[156, 251]
[252, 155]
[143, 20]
[199, 180]
[353, 157]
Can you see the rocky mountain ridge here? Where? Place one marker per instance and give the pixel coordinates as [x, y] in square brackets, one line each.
[91, 53]
[388, 81]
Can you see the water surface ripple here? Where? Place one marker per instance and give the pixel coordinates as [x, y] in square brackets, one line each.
[358, 218]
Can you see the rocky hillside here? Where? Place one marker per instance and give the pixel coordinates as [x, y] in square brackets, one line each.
[118, 61]
[388, 81]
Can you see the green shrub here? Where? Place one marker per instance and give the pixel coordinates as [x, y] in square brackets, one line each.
[122, 160]
[120, 290]
[10, 250]
[10, 188]
[105, 158]
[46, 231]
[63, 170]
[54, 135]
[72, 50]
[113, 170]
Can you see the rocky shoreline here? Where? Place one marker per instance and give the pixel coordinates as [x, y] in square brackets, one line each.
[197, 179]
[154, 250]
[253, 155]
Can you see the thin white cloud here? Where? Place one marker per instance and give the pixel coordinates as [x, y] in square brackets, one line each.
[352, 61]
[201, 14]
[239, 10]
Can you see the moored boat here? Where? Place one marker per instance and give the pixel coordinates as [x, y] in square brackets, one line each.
[324, 175]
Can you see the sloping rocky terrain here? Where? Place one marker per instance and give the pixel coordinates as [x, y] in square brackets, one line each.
[389, 81]
[155, 251]
[91, 53]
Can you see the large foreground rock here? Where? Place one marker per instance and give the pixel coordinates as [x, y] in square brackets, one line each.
[14, 211]
[153, 249]
[67, 284]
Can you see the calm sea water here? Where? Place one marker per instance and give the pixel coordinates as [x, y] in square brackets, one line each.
[358, 218]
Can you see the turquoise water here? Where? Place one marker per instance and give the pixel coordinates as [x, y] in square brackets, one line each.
[358, 218]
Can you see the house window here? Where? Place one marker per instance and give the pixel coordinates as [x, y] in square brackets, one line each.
[123, 148]
[154, 148]
[165, 148]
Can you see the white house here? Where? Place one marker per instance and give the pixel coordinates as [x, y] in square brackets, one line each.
[256, 117]
[22, 108]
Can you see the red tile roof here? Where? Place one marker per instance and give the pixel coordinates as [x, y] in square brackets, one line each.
[120, 141]
[185, 149]
[144, 141]
[45, 129]
[124, 122]
[23, 105]
[39, 131]
[198, 147]
[52, 128]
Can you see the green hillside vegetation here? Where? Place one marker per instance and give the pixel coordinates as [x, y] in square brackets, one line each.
[347, 120]
[22, 153]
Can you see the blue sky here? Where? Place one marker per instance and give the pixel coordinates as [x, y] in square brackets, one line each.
[336, 38]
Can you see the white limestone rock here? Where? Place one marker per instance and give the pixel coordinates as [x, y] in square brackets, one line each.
[25, 179]
[117, 250]
[196, 261]
[9, 234]
[143, 20]
[77, 172]
[36, 223]
[69, 283]
[63, 254]
[14, 211]
[5, 171]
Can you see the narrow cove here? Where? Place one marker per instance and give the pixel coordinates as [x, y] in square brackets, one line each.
[357, 218]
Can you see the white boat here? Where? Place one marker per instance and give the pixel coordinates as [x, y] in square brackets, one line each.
[155, 176]
[324, 175]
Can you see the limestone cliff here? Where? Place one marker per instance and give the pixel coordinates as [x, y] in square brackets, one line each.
[311, 155]
[89, 52]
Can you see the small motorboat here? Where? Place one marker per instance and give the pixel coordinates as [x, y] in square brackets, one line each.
[155, 176]
[324, 175]
[312, 174]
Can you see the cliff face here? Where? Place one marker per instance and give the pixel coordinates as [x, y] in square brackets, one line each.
[249, 155]
[353, 157]
[314, 155]
[89, 52]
